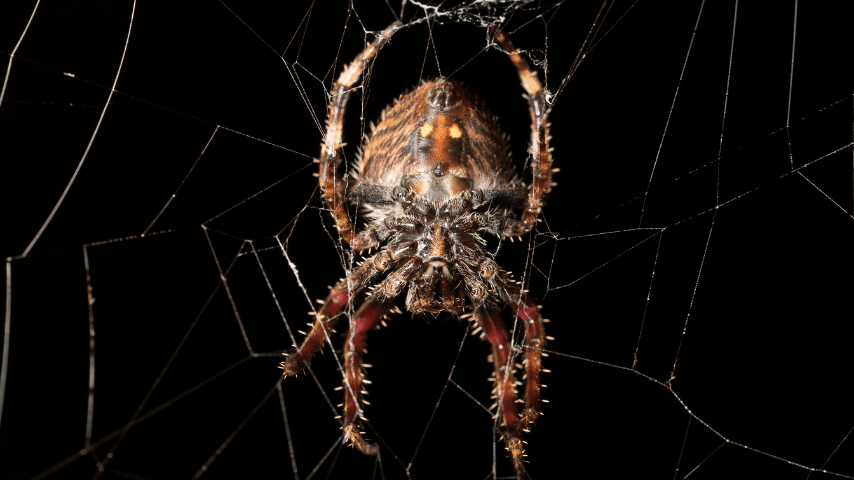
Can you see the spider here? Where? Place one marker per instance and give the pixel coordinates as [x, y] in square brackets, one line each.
[433, 174]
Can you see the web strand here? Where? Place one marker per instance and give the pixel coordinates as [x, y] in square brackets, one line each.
[91, 139]
[177, 166]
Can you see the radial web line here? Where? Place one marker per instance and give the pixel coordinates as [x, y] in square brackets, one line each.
[717, 199]
[123, 432]
[170, 109]
[559, 287]
[91, 139]
[15, 50]
[90, 411]
[438, 401]
[791, 79]
[335, 445]
[823, 193]
[184, 180]
[474, 400]
[704, 460]
[726, 103]
[291, 333]
[693, 297]
[784, 175]
[236, 430]
[667, 385]
[834, 450]
[4, 366]
[259, 37]
[294, 270]
[250, 197]
[287, 431]
[682, 450]
[224, 279]
[648, 296]
[670, 112]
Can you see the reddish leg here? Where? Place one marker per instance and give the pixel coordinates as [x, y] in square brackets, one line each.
[535, 341]
[366, 318]
[489, 319]
[535, 334]
[527, 312]
[324, 324]
[342, 293]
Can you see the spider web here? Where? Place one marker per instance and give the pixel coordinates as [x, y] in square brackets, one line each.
[164, 238]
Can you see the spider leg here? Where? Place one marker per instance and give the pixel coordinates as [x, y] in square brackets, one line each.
[366, 318]
[541, 159]
[535, 340]
[333, 185]
[342, 293]
[489, 320]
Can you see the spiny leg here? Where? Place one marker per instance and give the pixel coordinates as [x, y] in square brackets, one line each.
[541, 159]
[535, 338]
[342, 293]
[333, 185]
[489, 319]
[366, 318]
[535, 341]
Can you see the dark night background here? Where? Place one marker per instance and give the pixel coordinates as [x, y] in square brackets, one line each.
[766, 358]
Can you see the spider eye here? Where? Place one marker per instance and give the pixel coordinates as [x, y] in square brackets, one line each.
[399, 192]
[480, 219]
[390, 223]
[476, 196]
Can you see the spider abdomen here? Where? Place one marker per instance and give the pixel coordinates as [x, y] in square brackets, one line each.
[439, 141]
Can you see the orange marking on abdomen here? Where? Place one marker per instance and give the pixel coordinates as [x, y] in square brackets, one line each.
[455, 131]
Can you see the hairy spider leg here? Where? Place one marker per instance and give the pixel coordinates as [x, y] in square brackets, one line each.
[489, 319]
[345, 291]
[331, 182]
[328, 315]
[535, 340]
[541, 158]
[365, 319]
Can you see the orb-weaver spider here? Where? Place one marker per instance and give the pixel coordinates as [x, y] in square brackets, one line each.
[433, 174]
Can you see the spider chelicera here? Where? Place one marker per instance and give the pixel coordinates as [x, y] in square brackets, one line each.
[433, 174]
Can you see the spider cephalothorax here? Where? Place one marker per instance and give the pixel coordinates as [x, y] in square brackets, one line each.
[443, 238]
[434, 174]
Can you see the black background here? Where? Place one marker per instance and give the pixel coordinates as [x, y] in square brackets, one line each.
[765, 362]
